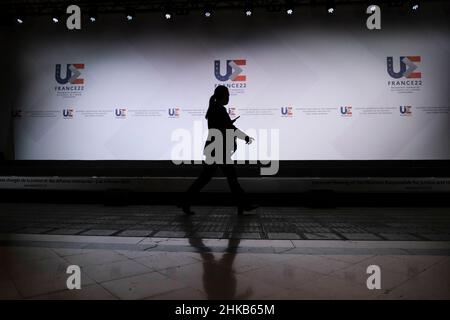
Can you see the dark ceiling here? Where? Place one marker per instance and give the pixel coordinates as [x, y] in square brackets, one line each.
[43, 7]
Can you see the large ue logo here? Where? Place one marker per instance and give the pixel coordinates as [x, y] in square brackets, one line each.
[408, 65]
[71, 74]
[233, 70]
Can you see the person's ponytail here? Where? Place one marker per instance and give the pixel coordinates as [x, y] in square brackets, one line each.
[212, 100]
[220, 92]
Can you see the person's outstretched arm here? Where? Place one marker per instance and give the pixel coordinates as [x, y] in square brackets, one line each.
[229, 124]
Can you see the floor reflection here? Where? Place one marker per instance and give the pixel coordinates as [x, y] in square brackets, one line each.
[219, 278]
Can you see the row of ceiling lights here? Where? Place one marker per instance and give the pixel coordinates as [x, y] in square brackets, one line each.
[207, 12]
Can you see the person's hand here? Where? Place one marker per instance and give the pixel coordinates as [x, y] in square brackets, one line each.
[249, 139]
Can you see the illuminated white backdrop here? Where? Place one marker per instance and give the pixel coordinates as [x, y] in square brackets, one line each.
[321, 81]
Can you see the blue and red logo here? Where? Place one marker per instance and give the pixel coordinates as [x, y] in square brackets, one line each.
[233, 70]
[405, 110]
[120, 113]
[72, 74]
[174, 112]
[232, 111]
[346, 111]
[408, 66]
[287, 111]
[68, 113]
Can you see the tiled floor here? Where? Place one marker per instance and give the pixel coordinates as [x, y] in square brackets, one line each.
[143, 252]
[412, 224]
[34, 267]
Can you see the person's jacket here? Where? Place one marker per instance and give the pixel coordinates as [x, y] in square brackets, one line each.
[219, 119]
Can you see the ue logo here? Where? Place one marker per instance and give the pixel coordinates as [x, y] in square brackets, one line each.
[16, 113]
[287, 111]
[68, 113]
[233, 70]
[405, 110]
[232, 111]
[346, 111]
[407, 67]
[120, 113]
[72, 74]
[174, 112]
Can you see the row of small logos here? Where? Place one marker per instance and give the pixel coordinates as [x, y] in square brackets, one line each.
[123, 113]
[350, 111]
[119, 113]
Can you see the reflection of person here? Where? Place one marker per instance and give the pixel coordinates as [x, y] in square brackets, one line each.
[219, 123]
[219, 278]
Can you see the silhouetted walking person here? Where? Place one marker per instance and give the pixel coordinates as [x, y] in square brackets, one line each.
[219, 147]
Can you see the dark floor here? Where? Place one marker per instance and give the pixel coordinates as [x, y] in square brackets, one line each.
[419, 224]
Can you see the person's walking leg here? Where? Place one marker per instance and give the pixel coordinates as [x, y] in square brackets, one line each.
[203, 179]
[241, 200]
[230, 173]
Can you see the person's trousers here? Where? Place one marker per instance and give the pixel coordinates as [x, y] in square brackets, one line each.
[207, 173]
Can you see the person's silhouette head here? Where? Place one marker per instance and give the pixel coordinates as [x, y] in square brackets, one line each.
[221, 97]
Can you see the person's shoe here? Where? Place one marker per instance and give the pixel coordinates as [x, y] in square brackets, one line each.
[245, 207]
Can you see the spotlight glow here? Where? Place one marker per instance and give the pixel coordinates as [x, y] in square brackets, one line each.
[19, 20]
[92, 19]
[415, 7]
[248, 13]
[207, 14]
[373, 8]
[289, 11]
[330, 10]
[129, 17]
[168, 16]
[55, 20]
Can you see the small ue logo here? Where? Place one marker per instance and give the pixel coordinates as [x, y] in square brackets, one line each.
[405, 110]
[287, 111]
[232, 111]
[16, 113]
[120, 113]
[346, 111]
[68, 113]
[174, 112]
